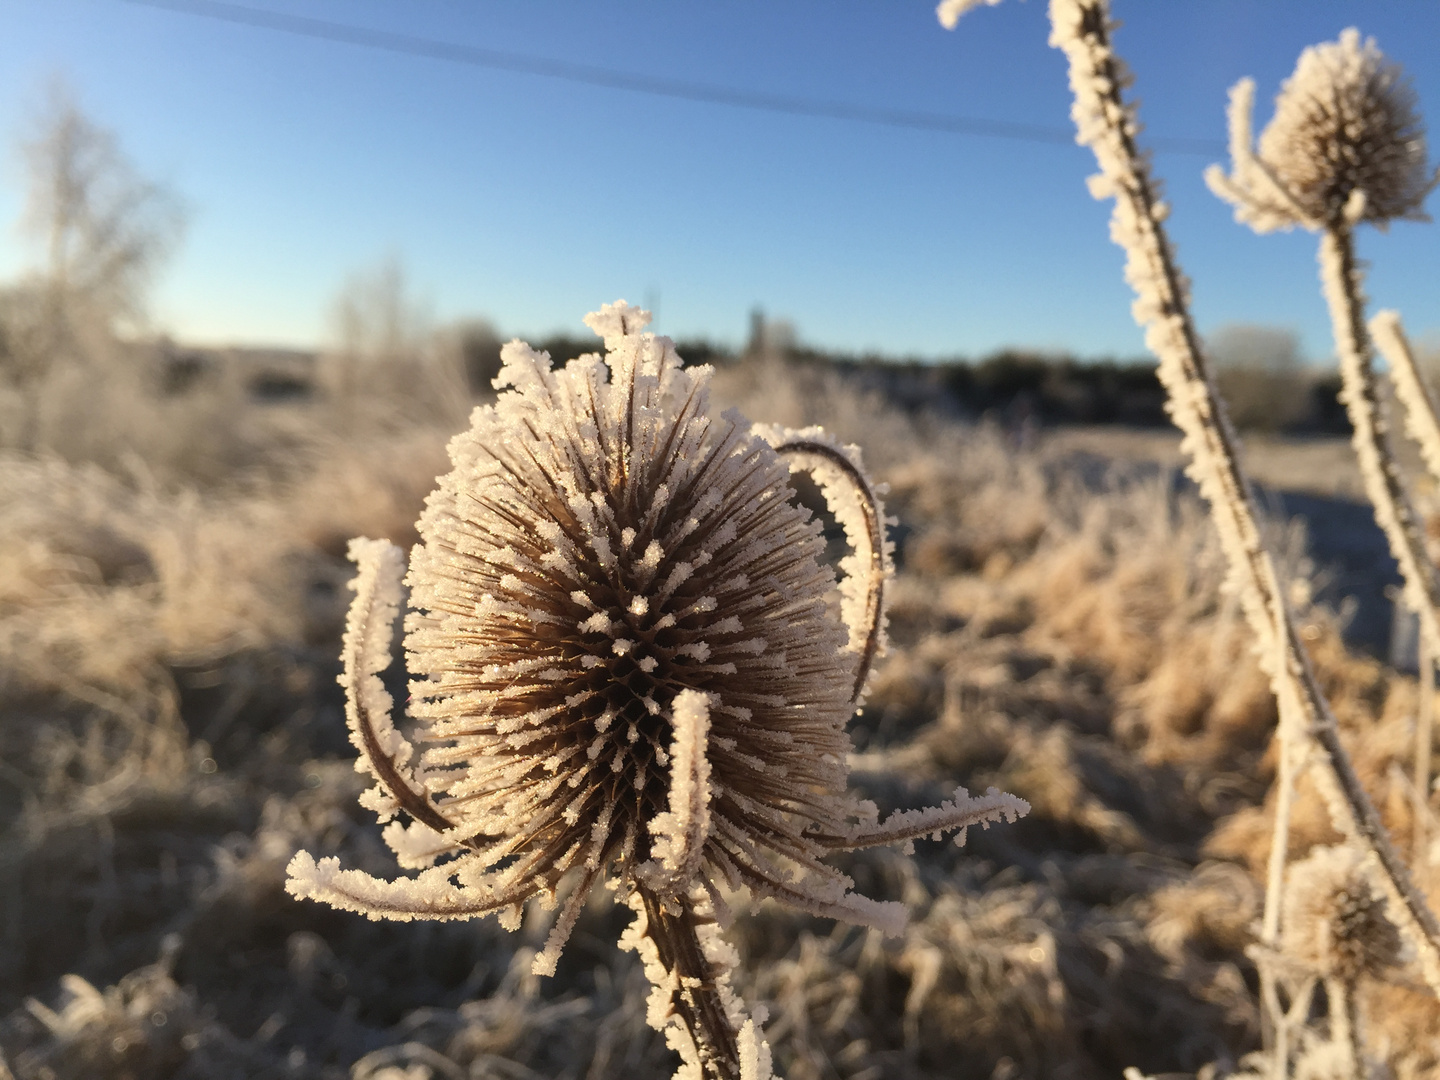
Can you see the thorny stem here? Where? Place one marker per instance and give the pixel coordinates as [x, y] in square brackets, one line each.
[875, 528]
[1421, 419]
[1275, 1029]
[1284, 798]
[1197, 408]
[1423, 425]
[1275, 1032]
[696, 999]
[1341, 276]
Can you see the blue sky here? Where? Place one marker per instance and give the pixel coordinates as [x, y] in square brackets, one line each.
[532, 200]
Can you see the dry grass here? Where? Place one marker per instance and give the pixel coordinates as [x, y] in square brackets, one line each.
[173, 734]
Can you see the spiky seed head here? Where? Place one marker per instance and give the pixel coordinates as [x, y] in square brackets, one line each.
[602, 547]
[628, 665]
[1346, 121]
[1334, 924]
[1346, 144]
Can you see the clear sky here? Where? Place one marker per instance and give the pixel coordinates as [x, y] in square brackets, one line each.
[532, 200]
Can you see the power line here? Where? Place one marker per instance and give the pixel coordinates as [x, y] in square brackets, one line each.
[528, 64]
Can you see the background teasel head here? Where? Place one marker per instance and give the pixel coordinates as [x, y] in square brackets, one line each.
[627, 666]
[1334, 924]
[1346, 144]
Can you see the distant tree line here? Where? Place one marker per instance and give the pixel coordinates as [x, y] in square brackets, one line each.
[1017, 385]
[1011, 386]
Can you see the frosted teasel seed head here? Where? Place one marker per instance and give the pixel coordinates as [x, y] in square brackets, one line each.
[1346, 145]
[1334, 924]
[625, 666]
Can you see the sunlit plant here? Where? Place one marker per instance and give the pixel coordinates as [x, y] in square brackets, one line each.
[629, 668]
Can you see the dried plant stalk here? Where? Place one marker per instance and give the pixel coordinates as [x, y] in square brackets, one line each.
[1422, 422]
[1423, 426]
[1108, 124]
[1345, 1028]
[1342, 281]
[689, 987]
[1294, 748]
[1341, 277]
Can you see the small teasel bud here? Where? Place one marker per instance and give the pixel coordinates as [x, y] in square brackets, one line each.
[1334, 924]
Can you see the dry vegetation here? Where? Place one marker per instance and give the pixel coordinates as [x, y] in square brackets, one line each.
[1066, 624]
[174, 734]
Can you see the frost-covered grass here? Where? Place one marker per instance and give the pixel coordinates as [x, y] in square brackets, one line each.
[173, 734]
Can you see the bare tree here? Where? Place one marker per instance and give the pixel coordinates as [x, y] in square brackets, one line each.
[387, 359]
[103, 227]
[1261, 375]
[473, 345]
[102, 230]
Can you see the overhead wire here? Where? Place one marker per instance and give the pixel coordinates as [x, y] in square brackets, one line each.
[546, 67]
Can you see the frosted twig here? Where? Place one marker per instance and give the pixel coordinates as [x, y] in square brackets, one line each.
[1294, 747]
[1345, 1027]
[1422, 420]
[1424, 740]
[1423, 426]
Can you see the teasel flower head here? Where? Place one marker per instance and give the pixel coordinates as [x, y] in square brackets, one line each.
[629, 661]
[1335, 925]
[1346, 145]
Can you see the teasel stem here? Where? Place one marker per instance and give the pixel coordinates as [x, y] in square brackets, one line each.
[1293, 752]
[694, 983]
[1341, 278]
[1345, 1024]
[1107, 124]
[1286, 1021]
[1421, 420]
[1423, 426]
